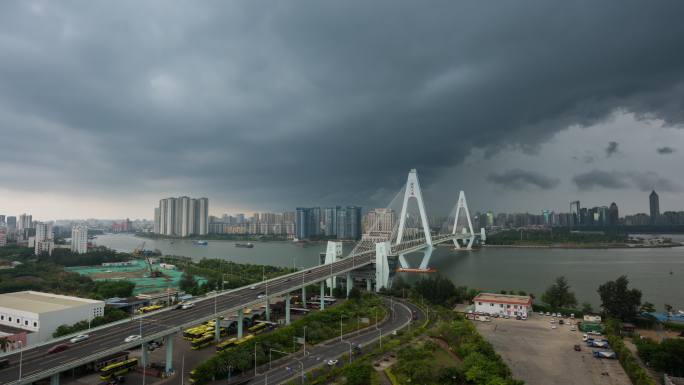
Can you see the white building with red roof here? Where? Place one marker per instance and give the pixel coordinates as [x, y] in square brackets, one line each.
[504, 304]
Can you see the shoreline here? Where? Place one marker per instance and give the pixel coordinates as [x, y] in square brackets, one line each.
[580, 246]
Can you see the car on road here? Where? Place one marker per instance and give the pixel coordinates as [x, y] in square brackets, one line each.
[332, 362]
[58, 348]
[132, 338]
[577, 348]
[79, 338]
[187, 305]
[548, 314]
[524, 318]
[585, 338]
[252, 288]
[261, 295]
[554, 327]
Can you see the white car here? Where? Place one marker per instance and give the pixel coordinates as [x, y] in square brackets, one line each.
[132, 338]
[585, 337]
[548, 314]
[573, 328]
[79, 338]
[260, 296]
[187, 306]
[554, 327]
[332, 362]
[252, 288]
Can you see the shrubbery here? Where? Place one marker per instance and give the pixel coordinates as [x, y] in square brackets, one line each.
[666, 356]
[635, 372]
[110, 315]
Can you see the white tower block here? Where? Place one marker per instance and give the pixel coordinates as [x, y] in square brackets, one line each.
[462, 204]
[413, 191]
[382, 251]
[332, 253]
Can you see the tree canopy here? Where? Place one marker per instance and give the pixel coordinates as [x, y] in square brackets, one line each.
[618, 301]
[559, 295]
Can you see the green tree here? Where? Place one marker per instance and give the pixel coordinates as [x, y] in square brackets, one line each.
[4, 343]
[436, 289]
[559, 295]
[647, 307]
[187, 283]
[618, 300]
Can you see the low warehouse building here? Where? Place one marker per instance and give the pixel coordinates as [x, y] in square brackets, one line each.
[504, 304]
[41, 314]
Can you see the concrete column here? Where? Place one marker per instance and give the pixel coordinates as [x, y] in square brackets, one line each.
[349, 283]
[54, 379]
[322, 295]
[240, 320]
[169, 354]
[304, 297]
[217, 329]
[287, 309]
[268, 309]
[368, 285]
[144, 354]
[333, 285]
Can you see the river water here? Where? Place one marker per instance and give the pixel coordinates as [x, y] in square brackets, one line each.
[658, 273]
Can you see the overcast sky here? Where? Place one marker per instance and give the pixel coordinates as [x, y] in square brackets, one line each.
[105, 107]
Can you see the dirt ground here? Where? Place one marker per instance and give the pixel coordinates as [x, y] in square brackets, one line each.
[540, 355]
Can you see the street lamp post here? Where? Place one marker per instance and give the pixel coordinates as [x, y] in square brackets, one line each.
[350, 350]
[302, 364]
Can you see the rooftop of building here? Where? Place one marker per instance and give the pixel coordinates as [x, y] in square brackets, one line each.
[504, 298]
[38, 302]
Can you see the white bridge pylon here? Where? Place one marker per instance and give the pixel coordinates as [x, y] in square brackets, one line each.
[413, 191]
[462, 204]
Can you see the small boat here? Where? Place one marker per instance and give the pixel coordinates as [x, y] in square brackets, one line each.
[200, 243]
[247, 245]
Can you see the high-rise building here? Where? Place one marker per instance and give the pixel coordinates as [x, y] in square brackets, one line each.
[157, 220]
[654, 204]
[2, 220]
[3, 236]
[11, 223]
[25, 222]
[613, 215]
[44, 240]
[79, 239]
[381, 220]
[354, 218]
[330, 221]
[182, 216]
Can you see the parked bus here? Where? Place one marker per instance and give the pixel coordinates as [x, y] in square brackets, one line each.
[244, 339]
[95, 366]
[229, 343]
[258, 328]
[147, 309]
[202, 342]
[196, 332]
[117, 369]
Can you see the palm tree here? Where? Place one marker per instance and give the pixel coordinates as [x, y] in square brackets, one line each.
[4, 343]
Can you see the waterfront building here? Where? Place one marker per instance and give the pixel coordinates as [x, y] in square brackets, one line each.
[3, 236]
[613, 215]
[381, 220]
[182, 216]
[654, 205]
[330, 221]
[506, 304]
[44, 241]
[40, 314]
[79, 239]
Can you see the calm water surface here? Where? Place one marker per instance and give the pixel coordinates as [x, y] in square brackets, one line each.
[659, 273]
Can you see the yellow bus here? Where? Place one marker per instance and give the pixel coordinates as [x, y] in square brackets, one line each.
[258, 328]
[244, 339]
[117, 369]
[196, 332]
[226, 344]
[204, 341]
[147, 309]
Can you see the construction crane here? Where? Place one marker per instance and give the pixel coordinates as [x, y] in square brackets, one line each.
[141, 252]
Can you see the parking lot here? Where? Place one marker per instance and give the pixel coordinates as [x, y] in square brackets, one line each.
[540, 355]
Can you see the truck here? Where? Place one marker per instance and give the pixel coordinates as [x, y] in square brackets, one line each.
[608, 354]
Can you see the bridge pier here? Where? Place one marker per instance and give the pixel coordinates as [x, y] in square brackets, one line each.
[268, 309]
[349, 283]
[287, 309]
[382, 250]
[240, 321]
[169, 354]
[144, 354]
[368, 284]
[54, 379]
[304, 297]
[322, 295]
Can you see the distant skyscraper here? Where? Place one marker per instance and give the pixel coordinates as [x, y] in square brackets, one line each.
[302, 223]
[202, 207]
[79, 239]
[2, 220]
[44, 240]
[25, 222]
[354, 218]
[381, 220]
[330, 221]
[654, 203]
[157, 220]
[11, 223]
[613, 215]
[3, 236]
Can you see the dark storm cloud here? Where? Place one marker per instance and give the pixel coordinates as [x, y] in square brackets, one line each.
[273, 104]
[644, 181]
[611, 149]
[522, 179]
[666, 150]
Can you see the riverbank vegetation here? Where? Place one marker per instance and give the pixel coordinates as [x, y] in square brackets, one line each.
[556, 236]
[320, 326]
